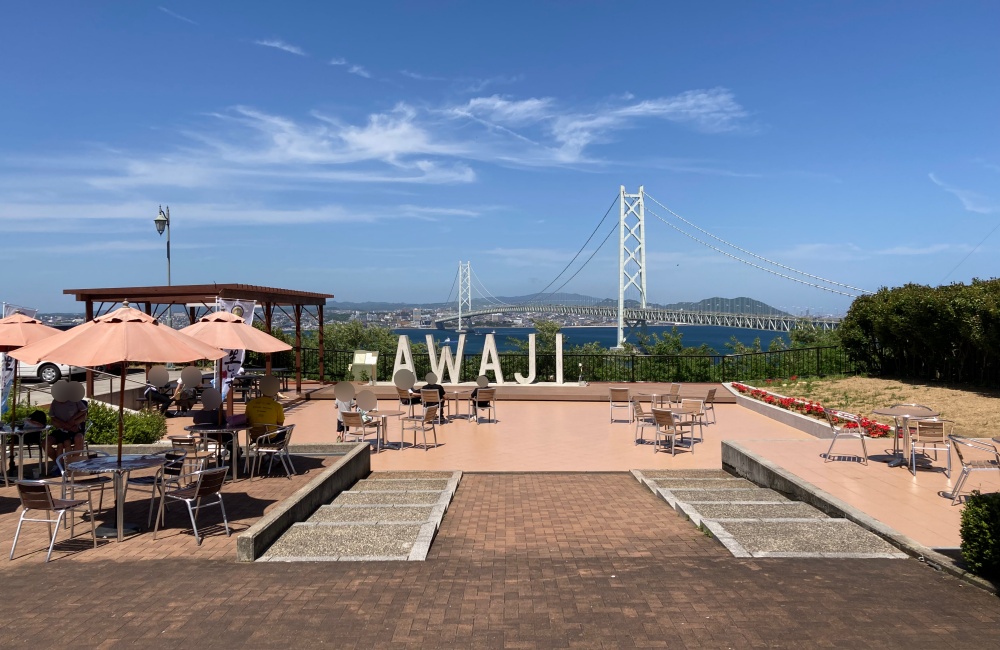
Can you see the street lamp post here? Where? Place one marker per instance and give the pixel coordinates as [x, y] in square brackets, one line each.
[162, 222]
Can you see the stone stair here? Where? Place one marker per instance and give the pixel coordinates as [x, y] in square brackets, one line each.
[387, 516]
[752, 521]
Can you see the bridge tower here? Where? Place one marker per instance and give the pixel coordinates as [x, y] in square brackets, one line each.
[464, 290]
[631, 254]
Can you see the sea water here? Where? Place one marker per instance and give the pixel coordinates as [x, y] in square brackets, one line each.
[714, 336]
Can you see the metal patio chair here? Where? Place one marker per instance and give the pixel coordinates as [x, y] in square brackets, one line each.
[978, 456]
[273, 445]
[196, 495]
[642, 421]
[37, 495]
[619, 398]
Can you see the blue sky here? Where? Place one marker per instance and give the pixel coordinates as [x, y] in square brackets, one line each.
[363, 149]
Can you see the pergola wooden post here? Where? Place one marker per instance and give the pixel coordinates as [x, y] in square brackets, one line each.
[322, 349]
[298, 349]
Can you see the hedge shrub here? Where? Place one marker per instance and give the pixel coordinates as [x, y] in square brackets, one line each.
[981, 534]
[141, 428]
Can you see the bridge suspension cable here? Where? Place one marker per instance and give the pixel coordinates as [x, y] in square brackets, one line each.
[754, 255]
[756, 266]
[488, 296]
[577, 255]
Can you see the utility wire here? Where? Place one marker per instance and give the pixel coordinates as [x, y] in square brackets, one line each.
[756, 266]
[743, 250]
[582, 248]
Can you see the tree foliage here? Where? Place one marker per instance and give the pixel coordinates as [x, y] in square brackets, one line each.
[947, 333]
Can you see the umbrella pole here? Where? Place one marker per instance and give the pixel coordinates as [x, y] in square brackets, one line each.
[13, 396]
[121, 412]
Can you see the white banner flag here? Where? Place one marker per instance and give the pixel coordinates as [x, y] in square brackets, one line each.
[7, 362]
[233, 361]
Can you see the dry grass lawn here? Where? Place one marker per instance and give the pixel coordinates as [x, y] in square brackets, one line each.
[976, 412]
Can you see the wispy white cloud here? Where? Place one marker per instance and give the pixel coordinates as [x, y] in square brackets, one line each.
[572, 131]
[425, 211]
[360, 71]
[479, 85]
[258, 155]
[176, 15]
[531, 257]
[35, 217]
[281, 45]
[932, 249]
[338, 61]
[420, 77]
[854, 252]
[971, 201]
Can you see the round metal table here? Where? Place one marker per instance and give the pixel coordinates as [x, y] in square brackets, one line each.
[902, 414]
[110, 464]
[234, 429]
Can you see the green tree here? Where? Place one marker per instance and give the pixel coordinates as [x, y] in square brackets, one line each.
[545, 338]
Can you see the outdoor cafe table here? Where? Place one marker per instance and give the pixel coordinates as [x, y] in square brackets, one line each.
[459, 396]
[20, 431]
[384, 425]
[108, 465]
[219, 429]
[902, 414]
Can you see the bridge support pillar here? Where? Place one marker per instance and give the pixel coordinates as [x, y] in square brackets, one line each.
[631, 254]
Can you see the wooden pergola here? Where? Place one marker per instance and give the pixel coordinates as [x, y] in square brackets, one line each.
[199, 299]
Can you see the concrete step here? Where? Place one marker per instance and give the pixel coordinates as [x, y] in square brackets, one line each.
[752, 521]
[387, 516]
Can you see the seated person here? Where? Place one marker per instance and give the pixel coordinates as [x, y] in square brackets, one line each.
[210, 413]
[344, 393]
[265, 410]
[159, 392]
[184, 397]
[68, 413]
[481, 382]
[432, 384]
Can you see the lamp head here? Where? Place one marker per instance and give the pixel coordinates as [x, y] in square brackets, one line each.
[161, 221]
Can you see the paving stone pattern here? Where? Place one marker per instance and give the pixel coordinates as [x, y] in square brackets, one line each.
[758, 522]
[520, 561]
[373, 521]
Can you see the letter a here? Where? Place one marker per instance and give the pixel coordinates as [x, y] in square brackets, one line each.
[490, 352]
[404, 355]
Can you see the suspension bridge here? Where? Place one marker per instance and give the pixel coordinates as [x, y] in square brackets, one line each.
[632, 310]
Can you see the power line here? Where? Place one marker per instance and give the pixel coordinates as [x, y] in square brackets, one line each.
[743, 250]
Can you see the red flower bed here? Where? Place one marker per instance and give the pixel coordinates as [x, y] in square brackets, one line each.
[872, 428]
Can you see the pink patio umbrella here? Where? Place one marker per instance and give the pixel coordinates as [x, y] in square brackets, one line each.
[225, 330]
[228, 331]
[123, 336]
[17, 331]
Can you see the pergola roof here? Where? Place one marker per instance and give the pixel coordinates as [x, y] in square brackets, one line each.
[200, 293]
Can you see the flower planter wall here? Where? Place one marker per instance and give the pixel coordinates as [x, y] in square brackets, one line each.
[804, 423]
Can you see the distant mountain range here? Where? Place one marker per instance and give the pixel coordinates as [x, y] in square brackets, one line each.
[740, 305]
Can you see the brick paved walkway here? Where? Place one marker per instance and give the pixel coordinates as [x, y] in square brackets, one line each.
[521, 561]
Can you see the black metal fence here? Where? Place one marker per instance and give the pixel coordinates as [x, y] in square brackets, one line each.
[611, 367]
